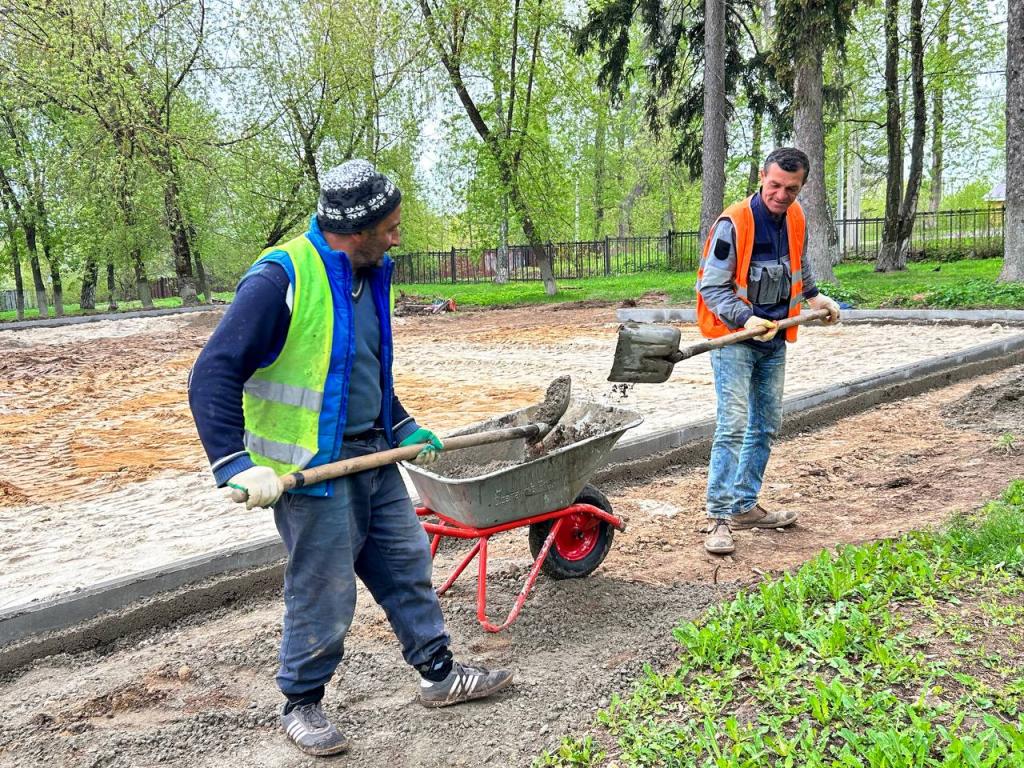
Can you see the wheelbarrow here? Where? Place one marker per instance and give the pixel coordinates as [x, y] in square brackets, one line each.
[571, 524]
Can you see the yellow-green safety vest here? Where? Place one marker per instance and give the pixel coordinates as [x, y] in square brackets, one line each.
[282, 402]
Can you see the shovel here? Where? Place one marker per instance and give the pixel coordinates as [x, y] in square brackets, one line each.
[645, 354]
[556, 401]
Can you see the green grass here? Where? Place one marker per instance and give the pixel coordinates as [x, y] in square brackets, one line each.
[967, 284]
[895, 654]
[677, 285]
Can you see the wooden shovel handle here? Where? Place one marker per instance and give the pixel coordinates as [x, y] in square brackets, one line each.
[345, 467]
[686, 353]
[404, 453]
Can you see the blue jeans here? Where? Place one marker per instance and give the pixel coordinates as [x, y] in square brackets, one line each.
[367, 529]
[748, 384]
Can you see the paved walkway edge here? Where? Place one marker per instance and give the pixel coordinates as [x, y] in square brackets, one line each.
[118, 607]
[929, 316]
[53, 322]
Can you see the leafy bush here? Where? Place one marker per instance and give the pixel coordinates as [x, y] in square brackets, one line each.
[841, 293]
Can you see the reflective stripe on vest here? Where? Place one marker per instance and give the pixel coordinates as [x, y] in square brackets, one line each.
[742, 217]
[285, 393]
[282, 402]
[281, 453]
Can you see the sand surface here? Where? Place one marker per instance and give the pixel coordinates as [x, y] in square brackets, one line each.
[102, 474]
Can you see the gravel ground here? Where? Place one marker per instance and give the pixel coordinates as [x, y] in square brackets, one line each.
[200, 692]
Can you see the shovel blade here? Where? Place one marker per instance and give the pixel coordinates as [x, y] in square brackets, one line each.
[644, 353]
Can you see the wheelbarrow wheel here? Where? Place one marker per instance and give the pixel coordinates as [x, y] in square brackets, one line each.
[582, 542]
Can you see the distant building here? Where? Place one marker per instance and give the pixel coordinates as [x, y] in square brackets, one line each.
[996, 196]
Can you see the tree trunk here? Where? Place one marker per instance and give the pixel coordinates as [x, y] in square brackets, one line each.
[55, 280]
[908, 209]
[599, 164]
[712, 195]
[938, 116]
[42, 302]
[626, 209]
[502, 267]
[19, 282]
[890, 256]
[90, 275]
[854, 174]
[809, 135]
[754, 177]
[180, 245]
[111, 285]
[669, 219]
[1013, 261]
[135, 255]
[141, 280]
[204, 285]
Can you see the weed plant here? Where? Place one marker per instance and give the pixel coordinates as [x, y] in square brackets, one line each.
[894, 654]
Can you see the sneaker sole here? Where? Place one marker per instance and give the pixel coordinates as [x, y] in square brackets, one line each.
[322, 751]
[720, 550]
[764, 526]
[472, 697]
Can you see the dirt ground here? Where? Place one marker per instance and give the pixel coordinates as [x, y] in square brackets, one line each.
[102, 475]
[200, 693]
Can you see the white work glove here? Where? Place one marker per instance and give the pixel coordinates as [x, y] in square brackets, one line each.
[261, 485]
[759, 322]
[821, 301]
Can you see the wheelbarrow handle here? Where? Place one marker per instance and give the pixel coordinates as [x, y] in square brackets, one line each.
[685, 353]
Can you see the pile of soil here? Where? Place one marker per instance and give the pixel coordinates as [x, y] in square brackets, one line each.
[997, 407]
[412, 304]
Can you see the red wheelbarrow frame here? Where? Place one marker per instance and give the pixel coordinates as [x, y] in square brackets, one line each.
[455, 529]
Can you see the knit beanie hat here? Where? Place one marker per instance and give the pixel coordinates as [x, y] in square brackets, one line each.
[354, 196]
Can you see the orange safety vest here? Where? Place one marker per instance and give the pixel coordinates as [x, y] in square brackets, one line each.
[742, 217]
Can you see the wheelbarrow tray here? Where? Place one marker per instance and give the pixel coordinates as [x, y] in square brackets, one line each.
[527, 488]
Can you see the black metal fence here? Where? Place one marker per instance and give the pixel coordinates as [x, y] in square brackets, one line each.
[676, 251]
[944, 235]
[160, 288]
[964, 234]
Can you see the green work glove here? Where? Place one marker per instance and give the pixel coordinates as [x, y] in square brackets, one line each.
[430, 451]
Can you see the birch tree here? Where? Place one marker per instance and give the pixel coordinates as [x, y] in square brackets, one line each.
[1013, 261]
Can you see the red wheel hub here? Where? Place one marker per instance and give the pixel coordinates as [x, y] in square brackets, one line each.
[577, 536]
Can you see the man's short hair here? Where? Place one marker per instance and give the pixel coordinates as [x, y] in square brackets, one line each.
[789, 159]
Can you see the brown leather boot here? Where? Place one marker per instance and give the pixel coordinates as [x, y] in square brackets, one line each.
[759, 517]
[719, 539]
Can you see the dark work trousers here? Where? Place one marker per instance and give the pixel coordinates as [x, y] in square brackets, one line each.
[367, 529]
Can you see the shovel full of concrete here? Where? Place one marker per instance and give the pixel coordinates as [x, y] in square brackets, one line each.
[556, 400]
[646, 353]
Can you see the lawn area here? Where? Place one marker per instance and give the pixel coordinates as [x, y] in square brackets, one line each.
[888, 655]
[101, 307]
[967, 284]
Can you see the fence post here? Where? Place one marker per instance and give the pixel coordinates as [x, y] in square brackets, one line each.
[607, 258]
[453, 263]
[669, 249]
